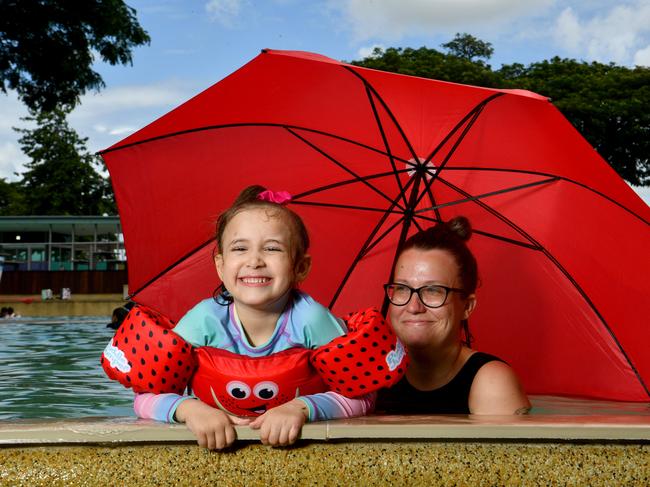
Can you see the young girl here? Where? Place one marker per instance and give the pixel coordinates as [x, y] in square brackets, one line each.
[262, 257]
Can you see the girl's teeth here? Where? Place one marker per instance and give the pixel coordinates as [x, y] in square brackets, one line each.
[255, 280]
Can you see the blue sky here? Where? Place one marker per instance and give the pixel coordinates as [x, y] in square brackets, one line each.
[195, 43]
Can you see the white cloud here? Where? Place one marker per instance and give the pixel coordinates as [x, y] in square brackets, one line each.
[104, 118]
[366, 51]
[568, 32]
[12, 111]
[11, 160]
[394, 19]
[224, 11]
[112, 100]
[112, 114]
[642, 57]
[643, 192]
[617, 34]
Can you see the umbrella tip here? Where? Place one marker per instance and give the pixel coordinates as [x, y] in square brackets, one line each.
[265, 50]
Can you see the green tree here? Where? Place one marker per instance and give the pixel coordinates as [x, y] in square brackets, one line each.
[47, 47]
[62, 177]
[430, 63]
[608, 104]
[11, 198]
[466, 46]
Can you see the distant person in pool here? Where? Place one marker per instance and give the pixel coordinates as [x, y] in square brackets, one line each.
[431, 296]
[9, 313]
[118, 316]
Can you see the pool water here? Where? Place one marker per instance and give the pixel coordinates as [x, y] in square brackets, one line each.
[49, 368]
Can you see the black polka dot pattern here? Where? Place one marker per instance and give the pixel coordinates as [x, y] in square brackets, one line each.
[365, 359]
[150, 348]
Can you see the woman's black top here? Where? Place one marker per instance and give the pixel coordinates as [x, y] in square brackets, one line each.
[452, 398]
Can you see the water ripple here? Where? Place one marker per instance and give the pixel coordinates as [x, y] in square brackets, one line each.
[50, 369]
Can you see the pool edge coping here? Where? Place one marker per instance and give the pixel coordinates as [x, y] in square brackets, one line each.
[126, 430]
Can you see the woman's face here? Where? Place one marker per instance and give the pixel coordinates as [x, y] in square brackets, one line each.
[415, 324]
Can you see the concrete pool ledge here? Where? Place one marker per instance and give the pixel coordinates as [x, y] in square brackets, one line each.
[529, 428]
[376, 450]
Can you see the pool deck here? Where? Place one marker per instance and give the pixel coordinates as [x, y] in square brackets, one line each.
[123, 430]
[77, 305]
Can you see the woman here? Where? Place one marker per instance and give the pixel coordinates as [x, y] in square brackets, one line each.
[432, 296]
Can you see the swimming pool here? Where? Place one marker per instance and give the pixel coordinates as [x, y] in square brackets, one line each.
[49, 368]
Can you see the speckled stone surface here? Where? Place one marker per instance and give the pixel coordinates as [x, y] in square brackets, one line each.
[330, 463]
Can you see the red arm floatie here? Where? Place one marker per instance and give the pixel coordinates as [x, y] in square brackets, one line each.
[146, 355]
[249, 386]
[368, 358]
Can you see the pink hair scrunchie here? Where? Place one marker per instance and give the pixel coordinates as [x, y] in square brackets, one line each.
[279, 197]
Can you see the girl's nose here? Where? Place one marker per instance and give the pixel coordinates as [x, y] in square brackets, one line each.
[255, 260]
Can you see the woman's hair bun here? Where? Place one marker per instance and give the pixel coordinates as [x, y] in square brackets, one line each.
[460, 226]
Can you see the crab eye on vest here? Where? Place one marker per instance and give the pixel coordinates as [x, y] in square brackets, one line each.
[238, 390]
[266, 390]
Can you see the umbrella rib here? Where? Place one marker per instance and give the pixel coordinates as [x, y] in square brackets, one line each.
[473, 113]
[363, 251]
[472, 116]
[563, 178]
[243, 124]
[346, 207]
[343, 183]
[171, 266]
[436, 210]
[490, 235]
[350, 207]
[385, 140]
[381, 237]
[491, 193]
[388, 111]
[561, 268]
[339, 164]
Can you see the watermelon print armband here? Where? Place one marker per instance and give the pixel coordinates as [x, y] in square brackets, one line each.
[147, 356]
[368, 358]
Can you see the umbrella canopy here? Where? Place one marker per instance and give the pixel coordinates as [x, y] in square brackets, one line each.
[371, 157]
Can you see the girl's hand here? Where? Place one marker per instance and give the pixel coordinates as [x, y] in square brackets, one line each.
[281, 426]
[212, 427]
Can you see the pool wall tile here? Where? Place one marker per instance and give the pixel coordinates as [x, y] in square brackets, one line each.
[376, 450]
[329, 463]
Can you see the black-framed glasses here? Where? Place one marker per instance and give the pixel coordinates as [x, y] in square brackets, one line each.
[432, 296]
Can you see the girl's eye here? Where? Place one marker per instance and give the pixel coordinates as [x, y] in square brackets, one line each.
[238, 249]
[273, 249]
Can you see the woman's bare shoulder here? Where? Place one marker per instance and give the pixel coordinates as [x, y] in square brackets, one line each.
[496, 390]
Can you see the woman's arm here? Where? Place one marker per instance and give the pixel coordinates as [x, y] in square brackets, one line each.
[496, 390]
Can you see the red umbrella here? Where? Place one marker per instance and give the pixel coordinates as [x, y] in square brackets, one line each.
[371, 157]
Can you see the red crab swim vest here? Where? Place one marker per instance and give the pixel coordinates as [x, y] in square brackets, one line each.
[146, 355]
[249, 386]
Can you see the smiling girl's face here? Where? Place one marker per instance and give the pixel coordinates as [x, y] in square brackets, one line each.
[256, 262]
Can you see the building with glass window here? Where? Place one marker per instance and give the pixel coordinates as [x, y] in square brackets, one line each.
[83, 253]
